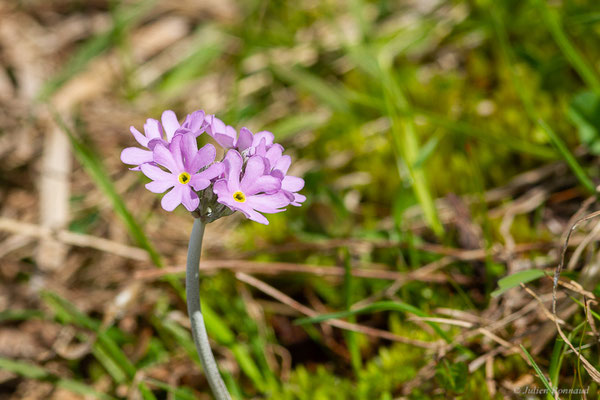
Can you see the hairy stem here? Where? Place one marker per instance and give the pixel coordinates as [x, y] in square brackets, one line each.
[192, 288]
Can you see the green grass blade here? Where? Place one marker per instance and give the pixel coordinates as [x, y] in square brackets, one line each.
[539, 372]
[31, 371]
[20, 315]
[556, 359]
[552, 20]
[514, 280]
[406, 146]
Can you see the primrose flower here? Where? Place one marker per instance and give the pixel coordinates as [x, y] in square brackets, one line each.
[153, 134]
[252, 191]
[183, 161]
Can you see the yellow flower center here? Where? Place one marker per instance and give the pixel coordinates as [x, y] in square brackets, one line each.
[184, 178]
[239, 197]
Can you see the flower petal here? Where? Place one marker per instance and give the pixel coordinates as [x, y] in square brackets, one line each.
[141, 139]
[157, 174]
[255, 167]
[223, 134]
[283, 164]
[298, 199]
[160, 186]
[220, 188]
[244, 140]
[189, 149]
[164, 157]
[202, 158]
[212, 172]
[152, 129]
[176, 149]
[233, 167]
[255, 216]
[268, 136]
[189, 199]
[195, 122]
[199, 183]
[292, 183]
[171, 200]
[170, 123]
[263, 184]
[136, 156]
[274, 154]
[269, 203]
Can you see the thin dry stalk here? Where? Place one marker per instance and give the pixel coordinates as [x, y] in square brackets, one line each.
[276, 294]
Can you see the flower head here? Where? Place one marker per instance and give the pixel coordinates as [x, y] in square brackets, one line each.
[252, 178]
[183, 161]
[252, 190]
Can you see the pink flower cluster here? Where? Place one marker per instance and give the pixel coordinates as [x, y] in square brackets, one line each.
[252, 177]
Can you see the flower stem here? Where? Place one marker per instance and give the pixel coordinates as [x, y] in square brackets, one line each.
[192, 288]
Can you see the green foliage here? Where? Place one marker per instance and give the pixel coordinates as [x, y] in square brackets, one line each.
[516, 279]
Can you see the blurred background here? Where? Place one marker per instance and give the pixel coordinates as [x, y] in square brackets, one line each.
[444, 144]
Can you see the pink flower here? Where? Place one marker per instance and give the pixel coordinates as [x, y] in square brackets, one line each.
[153, 135]
[252, 192]
[183, 161]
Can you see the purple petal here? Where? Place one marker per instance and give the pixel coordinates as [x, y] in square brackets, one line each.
[269, 203]
[172, 199]
[255, 216]
[189, 199]
[163, 156]
[211, 172]
[189, 148]
[202, 158]
[274, 154]
[199, 183]
[283, 164]
[223, 134]
[141, 139]
[226, 138]
[153, 142]
[175, 148]
[136, 156]
[157, 174]
[152, 129]
[160, 186]
[268, 136]
[220, 189]
[170, 123]
[195, 122]
[244, 140]
[264, 184]
[298, 199]
[292, 183]
[233, 167]
[255, 167]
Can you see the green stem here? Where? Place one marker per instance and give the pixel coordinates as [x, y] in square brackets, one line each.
[192, 288]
